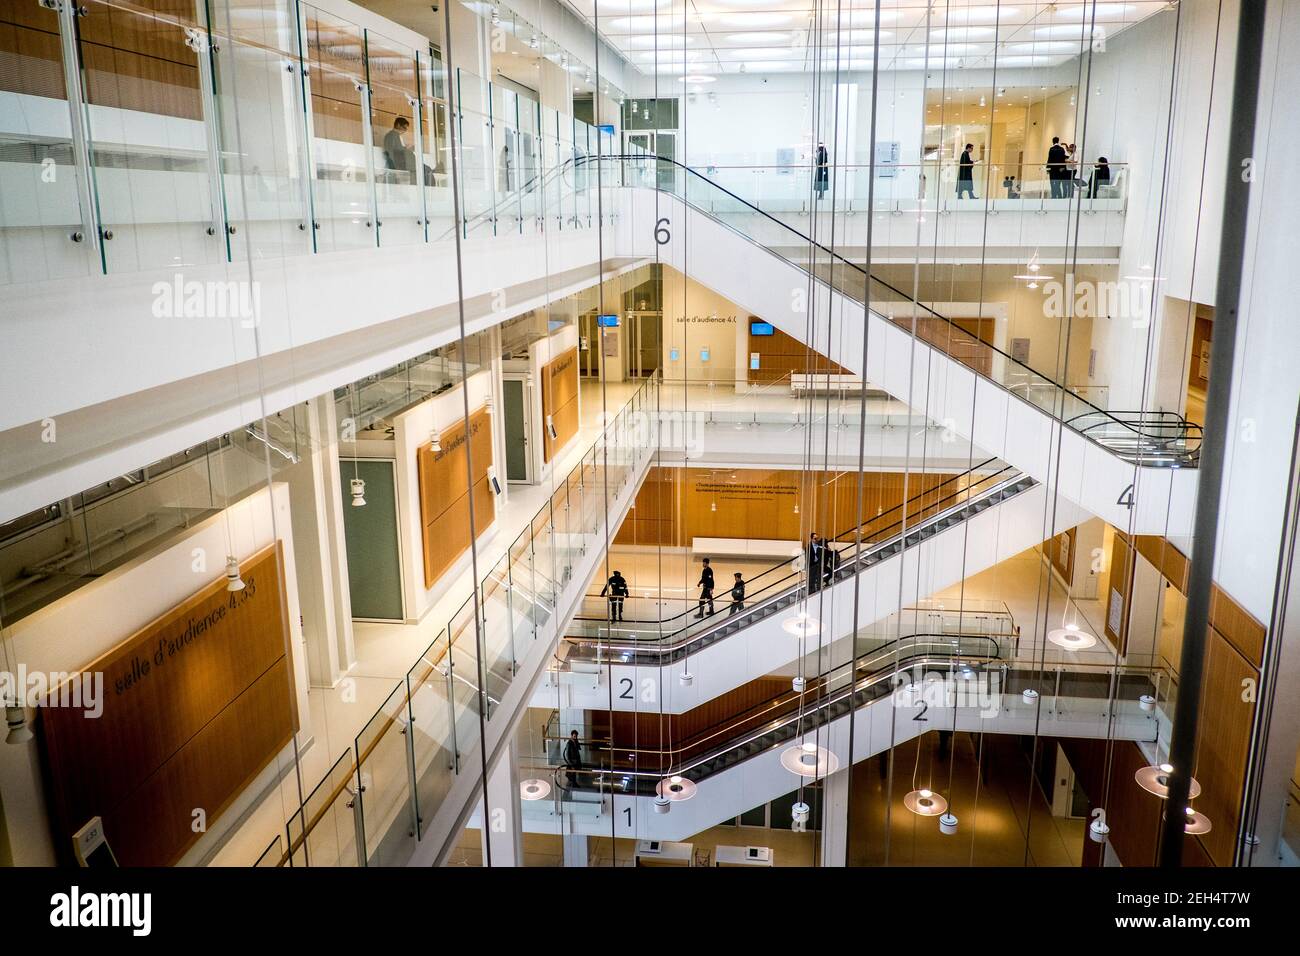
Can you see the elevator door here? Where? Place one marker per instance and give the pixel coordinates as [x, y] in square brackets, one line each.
[373, 546]
[516, 426]
[645, 343]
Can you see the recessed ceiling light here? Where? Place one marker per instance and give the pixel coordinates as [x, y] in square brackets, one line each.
[696, 78]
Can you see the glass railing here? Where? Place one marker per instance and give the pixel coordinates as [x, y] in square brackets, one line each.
[402, 764]
[1161, 439]
[970, 671]
[657, 628]
[918, 187]
[155, 140]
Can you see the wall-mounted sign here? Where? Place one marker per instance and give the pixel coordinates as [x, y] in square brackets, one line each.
[674, 354]
[195, 704]
[704, 355]
[753, 360]
[761, 328]
[1020, 350]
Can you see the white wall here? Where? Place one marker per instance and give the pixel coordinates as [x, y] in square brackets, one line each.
[413, 429]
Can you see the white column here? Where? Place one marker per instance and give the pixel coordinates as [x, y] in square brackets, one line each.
[1088, 538]
[575, 849]
[1144, 611]
[332, 524]
[502, 821]
[835, 818]
[314, 504]
[498, 414]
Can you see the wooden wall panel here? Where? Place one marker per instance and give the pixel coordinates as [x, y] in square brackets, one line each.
[559, 401]
[1222, 744]
[1060, 551]
[675, 505]
[444, 492]
[1119, 591]
[31, 60]
[1233, 622]
[196, 704]
[779, 355]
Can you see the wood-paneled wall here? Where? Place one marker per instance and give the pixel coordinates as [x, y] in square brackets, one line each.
[195, 705]
[31, 61]
[445, 492]
[687, 735]
[1234, 649]
[779, 355]
[1060, 551]
[675, 505]
[1105, 772]
[559, 401]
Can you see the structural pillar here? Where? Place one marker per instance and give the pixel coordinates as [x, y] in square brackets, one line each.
[502, 819]
[834, 819]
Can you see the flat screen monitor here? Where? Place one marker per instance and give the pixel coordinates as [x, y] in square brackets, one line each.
[761, 328]
[607, 321]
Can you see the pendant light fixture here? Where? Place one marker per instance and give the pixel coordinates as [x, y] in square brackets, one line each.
[534, 789]
[807, 759]
[676, 788]
[1071, 637]
[233, 581]
[1155, 779]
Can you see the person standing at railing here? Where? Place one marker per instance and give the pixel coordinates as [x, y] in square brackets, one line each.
[738, 594]
[821, 181]
[705, 584]
[966, 173]
[1058, 173]
[400, 157]
[617, 589]
[1100, 176]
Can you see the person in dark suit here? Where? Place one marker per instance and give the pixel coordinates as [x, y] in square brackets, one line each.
[823, 175]
[572, 758]
[705, 584]
[1058, 173]
[830, 561]
[738, 595]
[966, 173]
[1100, 176]
[816, 550]
[616, 588]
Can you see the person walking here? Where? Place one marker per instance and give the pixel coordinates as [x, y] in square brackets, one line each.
[966, 173]
[1057, 170]
[572, 759]
[738, 594]
[705, 584]
[617, 589]
[822, 178]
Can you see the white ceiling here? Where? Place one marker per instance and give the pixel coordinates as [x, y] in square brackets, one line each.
[712, 37]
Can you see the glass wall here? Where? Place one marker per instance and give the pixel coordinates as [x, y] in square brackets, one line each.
[845, 365]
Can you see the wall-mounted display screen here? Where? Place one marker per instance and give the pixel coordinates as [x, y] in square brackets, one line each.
[607, 321]
[761, 328]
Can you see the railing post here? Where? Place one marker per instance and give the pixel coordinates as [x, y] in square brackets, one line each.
[68, 12]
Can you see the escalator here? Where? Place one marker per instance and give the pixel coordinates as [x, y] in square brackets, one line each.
[1134, 469]
[960, 526]
[641, 637]
[898, 690]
